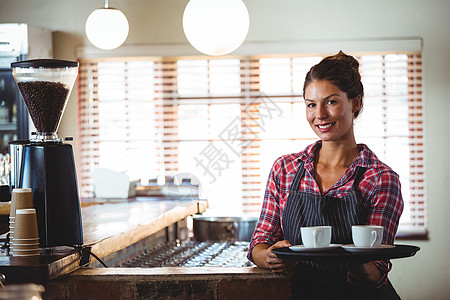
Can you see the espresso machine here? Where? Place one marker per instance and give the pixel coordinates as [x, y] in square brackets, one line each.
[45, 163]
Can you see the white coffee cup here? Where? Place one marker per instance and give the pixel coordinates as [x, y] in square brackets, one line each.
[316, 236]
[367, 235]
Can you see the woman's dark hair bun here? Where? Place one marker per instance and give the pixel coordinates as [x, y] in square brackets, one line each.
[348, 59]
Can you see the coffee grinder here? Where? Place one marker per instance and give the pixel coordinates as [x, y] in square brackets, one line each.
[45, 163]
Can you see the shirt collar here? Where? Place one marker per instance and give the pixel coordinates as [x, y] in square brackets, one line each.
[366, 158]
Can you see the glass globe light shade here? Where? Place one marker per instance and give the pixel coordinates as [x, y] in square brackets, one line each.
[216, 27]
[107, 28]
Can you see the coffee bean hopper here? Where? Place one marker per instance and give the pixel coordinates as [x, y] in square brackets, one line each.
[45, 163]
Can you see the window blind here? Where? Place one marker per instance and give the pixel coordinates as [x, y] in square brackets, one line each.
[225, 120]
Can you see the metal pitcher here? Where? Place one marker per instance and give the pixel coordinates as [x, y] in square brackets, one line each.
[16, 154]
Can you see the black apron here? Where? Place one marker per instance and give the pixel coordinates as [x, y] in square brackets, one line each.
[317, 280]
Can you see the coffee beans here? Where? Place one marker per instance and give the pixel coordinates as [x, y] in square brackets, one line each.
[45, 102]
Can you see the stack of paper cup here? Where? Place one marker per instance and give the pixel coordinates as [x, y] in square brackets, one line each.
[26, 236]
[20, 199]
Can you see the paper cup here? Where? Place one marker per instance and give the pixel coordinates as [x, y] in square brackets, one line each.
[11, 231]
[20, 199]
[26, 246]
[25, 254]
[25, 251]
[30, 250]
[24, 198]
[34, 244]
[26, 224]
[25, 241]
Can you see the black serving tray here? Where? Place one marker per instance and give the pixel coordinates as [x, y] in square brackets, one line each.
[341, 255]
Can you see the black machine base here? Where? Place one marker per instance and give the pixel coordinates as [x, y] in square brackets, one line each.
[49, 170]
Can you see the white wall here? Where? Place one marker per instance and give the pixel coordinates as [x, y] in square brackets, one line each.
[159, 21]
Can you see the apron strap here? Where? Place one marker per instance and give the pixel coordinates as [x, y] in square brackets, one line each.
[359, 175]
[298, 177]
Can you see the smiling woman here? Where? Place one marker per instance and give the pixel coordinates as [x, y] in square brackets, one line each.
[226, 120]
[334, 183]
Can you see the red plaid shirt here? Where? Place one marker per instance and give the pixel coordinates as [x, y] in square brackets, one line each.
[379, 193]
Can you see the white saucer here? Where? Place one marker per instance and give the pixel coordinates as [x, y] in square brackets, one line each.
[353, 248]
[300, 248]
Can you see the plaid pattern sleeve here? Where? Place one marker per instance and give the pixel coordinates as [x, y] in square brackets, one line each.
[387, 204]
[386, 209]
[268, 229]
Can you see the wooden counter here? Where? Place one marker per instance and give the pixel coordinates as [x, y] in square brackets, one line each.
[108, 226]
[171, 283]
[6, 206]
[114, 226]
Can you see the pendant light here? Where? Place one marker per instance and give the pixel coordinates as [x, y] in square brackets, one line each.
[216, 27]
[107, 28]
